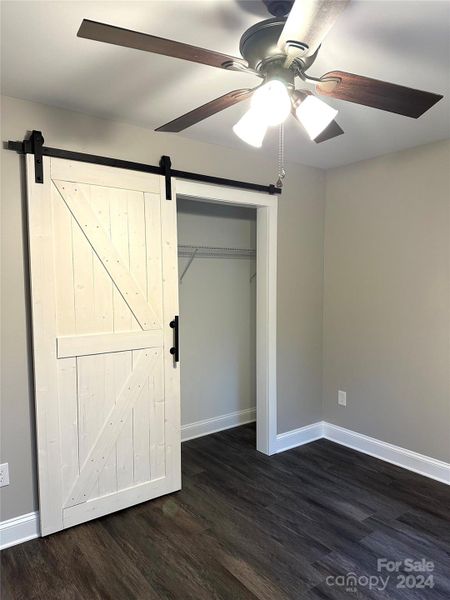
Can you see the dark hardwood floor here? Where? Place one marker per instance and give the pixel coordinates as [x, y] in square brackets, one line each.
[249, 526]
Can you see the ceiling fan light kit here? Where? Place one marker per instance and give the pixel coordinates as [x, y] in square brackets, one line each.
[315, 115]
[251, 128]
[271, 102]
[278, 50]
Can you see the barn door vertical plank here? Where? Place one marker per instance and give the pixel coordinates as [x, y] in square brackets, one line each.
[108, 477]
[83, 277]
[89, 374]
[103, 310]
[103, 314]
[68, 407]
[44, 347]
[169, 247]
[154, 291]
[153, 246]
[123, 321]
[157, 419]
[138, 269]
[124, 445]
[65, 306]
[65, 325]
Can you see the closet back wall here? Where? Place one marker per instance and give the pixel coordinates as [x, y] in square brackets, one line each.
[217, 314]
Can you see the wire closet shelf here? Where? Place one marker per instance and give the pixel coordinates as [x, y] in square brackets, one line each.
[215, 252]
[191, 252]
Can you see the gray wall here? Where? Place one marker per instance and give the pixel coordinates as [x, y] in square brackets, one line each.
[385, 321]
[387, 298]
[300, 264]
[217, 313]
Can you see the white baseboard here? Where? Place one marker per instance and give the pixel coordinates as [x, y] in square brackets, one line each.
[207, 426]
[18, 530]
[407, 459]
[413, 461]
[298, 437]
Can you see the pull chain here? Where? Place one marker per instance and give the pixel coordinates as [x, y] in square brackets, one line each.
[281, 170]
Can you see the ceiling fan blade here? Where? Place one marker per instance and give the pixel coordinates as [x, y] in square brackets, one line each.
[205, 111]
[377, 94]
[101, 32]
[332, 131]
[309, 22]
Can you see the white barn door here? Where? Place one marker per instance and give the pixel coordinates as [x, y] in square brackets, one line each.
[104, 286]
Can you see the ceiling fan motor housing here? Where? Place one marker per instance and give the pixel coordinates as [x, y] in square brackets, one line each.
[259, 47]
[258, 44]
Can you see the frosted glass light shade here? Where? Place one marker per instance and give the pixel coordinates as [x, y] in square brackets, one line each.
[315, 115]
[272, 101]
[251, 128]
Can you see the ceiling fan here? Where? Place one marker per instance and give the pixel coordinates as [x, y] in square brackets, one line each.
[277, 50]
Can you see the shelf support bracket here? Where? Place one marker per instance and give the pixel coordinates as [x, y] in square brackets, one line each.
[188, 265]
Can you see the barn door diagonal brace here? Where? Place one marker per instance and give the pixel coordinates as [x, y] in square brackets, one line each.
[34, 145]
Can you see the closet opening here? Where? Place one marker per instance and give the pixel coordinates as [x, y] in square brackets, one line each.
[217, 257]
[266, 207]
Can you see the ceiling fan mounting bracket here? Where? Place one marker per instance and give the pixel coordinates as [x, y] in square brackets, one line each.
[279, 8]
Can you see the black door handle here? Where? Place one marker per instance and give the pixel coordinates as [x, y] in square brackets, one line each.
[175, 350]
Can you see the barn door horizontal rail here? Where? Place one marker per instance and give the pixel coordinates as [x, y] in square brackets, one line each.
[34, 145]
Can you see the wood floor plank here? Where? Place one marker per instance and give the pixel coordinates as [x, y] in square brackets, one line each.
[247, 526]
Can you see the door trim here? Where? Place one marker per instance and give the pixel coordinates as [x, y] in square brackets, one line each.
[266, 296]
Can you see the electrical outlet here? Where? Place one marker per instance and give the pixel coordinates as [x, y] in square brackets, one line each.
[342, 398]
[4, 474]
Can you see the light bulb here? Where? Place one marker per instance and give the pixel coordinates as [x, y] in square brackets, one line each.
[314, 115]
[251, 128]
[272, 101]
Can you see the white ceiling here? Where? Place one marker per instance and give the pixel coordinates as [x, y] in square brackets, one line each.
[399, 41]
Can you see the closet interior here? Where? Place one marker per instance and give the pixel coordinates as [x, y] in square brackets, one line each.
[217, 292]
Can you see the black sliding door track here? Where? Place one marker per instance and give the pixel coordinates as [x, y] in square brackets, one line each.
[33, 145]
